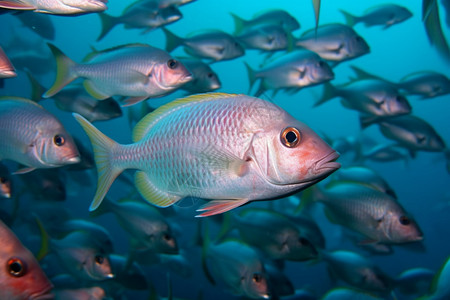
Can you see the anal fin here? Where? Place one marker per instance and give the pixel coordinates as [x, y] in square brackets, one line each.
[220, 206]
[93, 90]
[151, 193]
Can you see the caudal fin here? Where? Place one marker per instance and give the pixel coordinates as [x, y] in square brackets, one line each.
[239, 24]
[350, 19]
[329, 92]
[64, 71]
[103, 148]
[251, 76]
[108, 23]
[172, 40]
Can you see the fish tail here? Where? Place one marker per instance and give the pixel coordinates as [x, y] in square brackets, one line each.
[64, 71]
[45, 240]
[329, 92]
[239, 23]
[206, 244]
[103, 148]
[366, 121]
[251, 75]
[37, 90]
[108, 23]
[172, 40]
[350, 19]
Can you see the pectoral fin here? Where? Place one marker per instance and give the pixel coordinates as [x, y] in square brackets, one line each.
[216, 207]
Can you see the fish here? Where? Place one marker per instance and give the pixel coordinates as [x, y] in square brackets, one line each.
[385, 153]
[237, 160]
[385, 15]
[440, 287]
[146, 15]
[58, 7]
[6, 185]
[43, 142]
[272, 233]
[415, 281]
[266, 37]
[21, 276]
[215, 45]
[291, 72]
[150, 72]
[237, 267]
[341, 293]
[166, 3]
[273, 16]
[45, 184]
[205, 79]
[7, 70]
[427, 84]
[377, 216]
[128, 275]
[33, 61]
[144, 223]
[357, 271]
[366, 176]
[41, 24]
[91, 293]
[433, 28]
[334, 42]
[279, 282]
[375, 99]
[412, 133]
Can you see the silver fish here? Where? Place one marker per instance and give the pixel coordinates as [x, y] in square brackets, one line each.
[416, 281]
[274, 16]
[267, 37]
[205, 79]
[33, 137]
[148, 72]
[91, 293]
[385, 15]
[60, 7]
[196, 146]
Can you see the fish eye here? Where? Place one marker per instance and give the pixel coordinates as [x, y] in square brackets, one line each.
[257, 278]
[59, 140]
[16, 267]
[404, 220]
[359, 39]
[167, 237]
[99, 259]
[172, 63]
[290, 137]
[3, 180]
[421, 139]
[400, 98]
[210, 75]
[321, 64]
[304, 242]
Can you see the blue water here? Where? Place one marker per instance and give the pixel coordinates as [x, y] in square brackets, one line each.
[421, 185]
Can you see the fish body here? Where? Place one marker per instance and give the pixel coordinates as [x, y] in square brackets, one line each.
[215, 45]
[268, 37]
[136, 71]
[21, 277]
[6, 68]
[229, 148]
[296, 70]
[91, 293]
[238, 268]
[33, 137]
[6, 187]
[205, 79]
[412, 133]
[274, 16]
[385, 15]
[426, 84]
[60, 7]
[416, 281]
[374, 214]
[349, 294]
[385, 153]
[40, 24]
[334, 42]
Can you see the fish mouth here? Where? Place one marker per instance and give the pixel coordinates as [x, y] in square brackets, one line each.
[73, 160]
[326, 165]
[8, 73]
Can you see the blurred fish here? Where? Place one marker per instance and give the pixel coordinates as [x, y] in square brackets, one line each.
[127, 274]
[6, 187]
[45, 184]
[365, 176]
[180, 263]
[136, 112]
[6, 68]
[42, 143]
[248, 163]
[75, 99]
[33, 61]
[376, 99]
[416, 281]
[273, 16]
[214, 44]
[92, 293]
[440, 287]
[138, 71]
[272, 233]
[205, 79]
[279, 283]
[266, 37]
[341, 293]
[146, 226]
[237, 267]
[357, 271]
[446, 6]
[385, 15]
[166, 3]
[21, 276]
[433, 27]
[412, 133]
[374, 214]
[334, 42]
[145, 15]
[385, 153]
[86, 159]
[59, 7]
[428, 84]
[292, 71]
[40, 24]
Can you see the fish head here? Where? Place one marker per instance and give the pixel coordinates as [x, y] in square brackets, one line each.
[5, 187]
[97, 266]
[255, 285]
[170, 14]
[212, 80]
[317, 71]
[374, 280]
[86, 5]
[299, 248]
[393, 104]
[55, 147]
[401, 228]
[355, 46]
[165, 242]
[169, 75]
[292, 154]
[232, 49]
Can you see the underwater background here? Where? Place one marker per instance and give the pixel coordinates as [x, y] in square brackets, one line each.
[421, 183]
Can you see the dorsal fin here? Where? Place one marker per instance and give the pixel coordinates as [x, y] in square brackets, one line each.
[143, 127]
